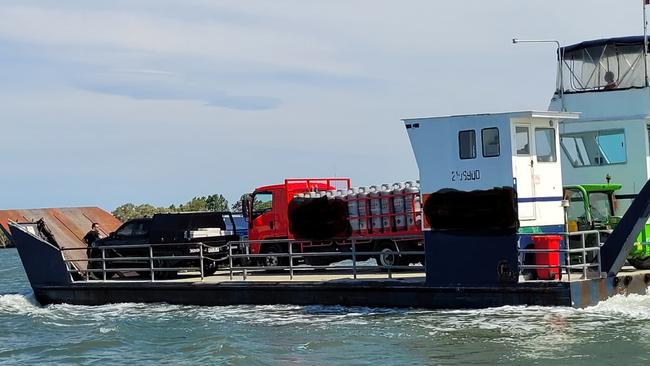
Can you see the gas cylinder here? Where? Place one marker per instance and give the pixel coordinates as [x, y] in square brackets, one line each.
[412, 205]
[375, 209]
[398, 206]
[386, 208]
[353, 209]
[362, 207]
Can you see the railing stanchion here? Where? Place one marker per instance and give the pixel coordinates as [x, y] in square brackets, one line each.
[584, 257]
[290, 260]
[600, 269]
[568, 257]
[230, 259]
[354, 258]
[104, 264]
[201, 261]
[151, 271]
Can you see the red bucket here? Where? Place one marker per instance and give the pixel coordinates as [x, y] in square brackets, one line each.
[550, 259]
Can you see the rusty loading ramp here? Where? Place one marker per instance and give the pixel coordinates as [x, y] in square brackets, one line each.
[68, 225]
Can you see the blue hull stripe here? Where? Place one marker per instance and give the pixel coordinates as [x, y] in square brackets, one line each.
[539, 199]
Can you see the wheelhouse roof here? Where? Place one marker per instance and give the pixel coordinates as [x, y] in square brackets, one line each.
[629, 40]
[519, 114]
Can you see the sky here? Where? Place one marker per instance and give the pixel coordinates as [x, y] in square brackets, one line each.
[156, 101]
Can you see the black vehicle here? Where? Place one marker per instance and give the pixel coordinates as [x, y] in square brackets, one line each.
[164, 237]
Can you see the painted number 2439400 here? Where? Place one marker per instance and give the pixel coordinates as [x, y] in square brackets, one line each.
[464, 175]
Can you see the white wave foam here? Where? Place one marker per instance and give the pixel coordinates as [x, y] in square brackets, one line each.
[630, 306]
[23, 304]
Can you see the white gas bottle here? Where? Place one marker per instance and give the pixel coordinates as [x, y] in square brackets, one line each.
[362, 209]
[412, 205]
[398, 206]
[353, 209]
[375, 209]
[386, 208]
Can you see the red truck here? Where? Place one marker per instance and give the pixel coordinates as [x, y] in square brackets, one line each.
[381, 219]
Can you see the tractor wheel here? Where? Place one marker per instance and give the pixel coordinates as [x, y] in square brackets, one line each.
[640, 263]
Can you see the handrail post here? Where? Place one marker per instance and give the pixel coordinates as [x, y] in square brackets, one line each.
[104, 264]
[151, 272]
[354, 258]
[600, 270]
[568, 257]
[87, 267]
[230, 259]
[584, 257]
[201, 260]
[290, 260]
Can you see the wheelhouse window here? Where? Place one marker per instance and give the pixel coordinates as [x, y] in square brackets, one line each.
[491, 143]
[545, 145]
[603, 65]
[594, 148]
[467, 144]
[522, 140]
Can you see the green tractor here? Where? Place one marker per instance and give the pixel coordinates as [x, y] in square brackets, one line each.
[593, 207]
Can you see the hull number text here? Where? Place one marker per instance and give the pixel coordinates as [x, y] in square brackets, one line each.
[464, 175]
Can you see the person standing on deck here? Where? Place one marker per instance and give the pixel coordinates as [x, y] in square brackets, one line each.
[93, 234]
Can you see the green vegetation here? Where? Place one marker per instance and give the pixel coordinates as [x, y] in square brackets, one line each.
[215, 202]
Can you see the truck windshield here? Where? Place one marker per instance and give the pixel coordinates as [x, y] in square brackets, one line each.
[601, 206]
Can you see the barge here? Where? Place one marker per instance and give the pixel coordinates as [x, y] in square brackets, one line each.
[494, 222]
[484, 212]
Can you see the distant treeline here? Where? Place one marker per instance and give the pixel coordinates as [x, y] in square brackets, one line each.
[215, 202]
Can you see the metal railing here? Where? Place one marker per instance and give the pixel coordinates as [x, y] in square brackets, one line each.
[151, 263]
[589, 266]
[234, 259]
[353, 254]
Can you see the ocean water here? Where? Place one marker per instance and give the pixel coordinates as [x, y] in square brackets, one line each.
[615, 332]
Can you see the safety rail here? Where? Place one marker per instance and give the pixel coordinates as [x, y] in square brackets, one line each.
[234, 257]
[587, 262]
[151, 259]
[353, 254]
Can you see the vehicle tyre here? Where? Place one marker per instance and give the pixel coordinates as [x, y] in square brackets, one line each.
[272, 260]
[163, 275]
[640, 263]
[209, 267]
[388, 254]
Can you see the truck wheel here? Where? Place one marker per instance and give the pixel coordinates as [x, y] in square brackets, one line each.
[271, 260]
[640, 263]
[163, 275]
[388, 254]
[209, 267]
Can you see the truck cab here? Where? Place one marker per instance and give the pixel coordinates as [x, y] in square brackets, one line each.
[266, 209]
